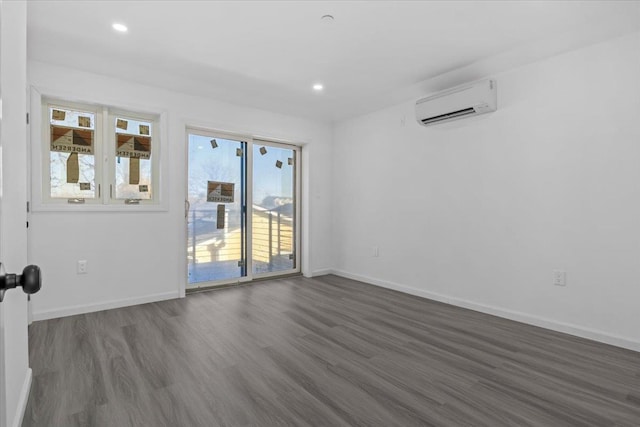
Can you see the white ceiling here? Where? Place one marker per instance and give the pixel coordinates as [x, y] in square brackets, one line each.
[267, 54]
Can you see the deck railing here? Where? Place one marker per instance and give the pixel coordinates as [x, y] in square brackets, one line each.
[273, 236]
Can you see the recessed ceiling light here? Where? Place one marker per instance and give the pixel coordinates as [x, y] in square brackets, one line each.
[120, 27]
[318, 87]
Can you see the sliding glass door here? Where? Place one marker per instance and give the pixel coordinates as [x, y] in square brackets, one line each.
[274, 210]
[216, 215]
[242, 209]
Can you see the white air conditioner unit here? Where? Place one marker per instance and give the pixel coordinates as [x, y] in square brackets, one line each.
[456, 103]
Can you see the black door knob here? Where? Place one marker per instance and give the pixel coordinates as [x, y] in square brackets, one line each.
[30, 280]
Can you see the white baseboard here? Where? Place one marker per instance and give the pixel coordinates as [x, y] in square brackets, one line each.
[24, 399]
[320, 272]
[106, 305]
[501, 312]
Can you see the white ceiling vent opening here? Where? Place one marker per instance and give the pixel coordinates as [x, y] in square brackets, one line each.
[456, 103]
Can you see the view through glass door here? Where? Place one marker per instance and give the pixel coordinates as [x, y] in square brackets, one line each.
[274, 210]
[216, 216]
[242, 209]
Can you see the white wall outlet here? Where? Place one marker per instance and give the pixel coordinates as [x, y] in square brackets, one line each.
[559, 278]
[374, 252]
[82, 266]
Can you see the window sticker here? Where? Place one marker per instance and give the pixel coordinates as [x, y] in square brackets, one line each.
[144, 129]
[122, 124]
[278, 164]
[143, 188]
[73, 169]
[220, 217]
[85, 186]
[132, 146]
[290, 161]
[220, 192]
[84, 121]
[134, 171]
[263, 150]
[58, 115]
[69, 140]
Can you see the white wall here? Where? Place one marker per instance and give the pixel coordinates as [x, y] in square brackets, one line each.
[479, 212]
[15, 375]
[137, 257]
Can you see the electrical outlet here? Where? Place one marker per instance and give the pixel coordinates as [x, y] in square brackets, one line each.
[559, 278]
[374, 252]
[82, 266]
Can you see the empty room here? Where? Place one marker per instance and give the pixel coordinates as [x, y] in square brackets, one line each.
[319, 213]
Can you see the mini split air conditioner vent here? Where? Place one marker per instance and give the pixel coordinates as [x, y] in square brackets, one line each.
[449, 116]
[458, 102]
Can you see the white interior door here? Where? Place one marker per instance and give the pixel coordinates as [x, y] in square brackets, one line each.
[3, 381]
[15, 375]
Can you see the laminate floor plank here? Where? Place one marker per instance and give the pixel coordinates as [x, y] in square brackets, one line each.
[325, 351]
[346, 400]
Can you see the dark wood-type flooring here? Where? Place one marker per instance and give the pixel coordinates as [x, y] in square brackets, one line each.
[321, 352]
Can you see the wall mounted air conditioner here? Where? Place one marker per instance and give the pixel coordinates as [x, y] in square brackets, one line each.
[457, 103]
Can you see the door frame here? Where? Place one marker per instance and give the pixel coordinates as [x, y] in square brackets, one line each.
[250, 140]
[297, 194]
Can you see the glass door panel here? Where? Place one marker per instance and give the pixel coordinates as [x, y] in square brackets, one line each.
[274, 208]
[216, 217]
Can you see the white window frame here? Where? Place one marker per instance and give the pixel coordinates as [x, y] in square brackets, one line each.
[110, 160]
[45, 148]
[104, 152]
